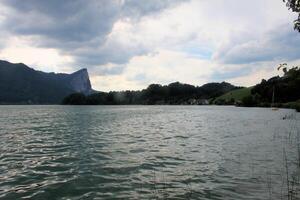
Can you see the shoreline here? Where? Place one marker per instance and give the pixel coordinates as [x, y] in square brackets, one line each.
[210, 105]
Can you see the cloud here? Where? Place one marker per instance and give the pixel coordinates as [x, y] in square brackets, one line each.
[80, 28]
[280, 44]
[253, 78]
[168, 66]
[49, 59]
[127, 44]
[162, 67]
[133, 8]
[68, 22]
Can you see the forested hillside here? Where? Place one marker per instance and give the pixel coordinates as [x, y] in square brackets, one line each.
[173, 94]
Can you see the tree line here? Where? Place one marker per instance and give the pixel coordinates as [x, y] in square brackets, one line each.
[173, 94]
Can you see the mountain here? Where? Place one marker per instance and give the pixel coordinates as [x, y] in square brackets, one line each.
[20, 84]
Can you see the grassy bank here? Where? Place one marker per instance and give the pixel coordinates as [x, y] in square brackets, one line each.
[233, 96]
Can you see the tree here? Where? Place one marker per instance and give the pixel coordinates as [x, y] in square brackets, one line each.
[283, 67]
[249, 101]
[75, 99]
[287, 87]
[294, 5]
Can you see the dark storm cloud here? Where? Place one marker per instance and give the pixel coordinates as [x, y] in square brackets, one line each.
[79, 27]
[280, 44]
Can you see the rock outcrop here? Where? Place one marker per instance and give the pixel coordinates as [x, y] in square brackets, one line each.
[80, 82]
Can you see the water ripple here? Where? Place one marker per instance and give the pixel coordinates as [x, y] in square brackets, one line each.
[143, 152]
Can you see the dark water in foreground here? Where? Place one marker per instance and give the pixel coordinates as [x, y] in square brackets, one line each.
[146, 152]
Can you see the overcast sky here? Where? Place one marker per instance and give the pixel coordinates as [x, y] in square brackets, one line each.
[129, 44]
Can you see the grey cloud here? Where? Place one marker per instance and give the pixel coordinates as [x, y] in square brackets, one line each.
[280, 44]
[105, 70]
[65, 21]
[138, 8]
[2, 41]
[110, 53]
[79, 27]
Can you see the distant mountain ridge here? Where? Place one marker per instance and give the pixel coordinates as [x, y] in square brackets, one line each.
[20, 84]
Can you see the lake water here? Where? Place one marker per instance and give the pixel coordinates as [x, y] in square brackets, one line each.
[147, 152]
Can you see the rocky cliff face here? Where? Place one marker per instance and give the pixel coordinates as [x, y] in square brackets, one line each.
[79, 81]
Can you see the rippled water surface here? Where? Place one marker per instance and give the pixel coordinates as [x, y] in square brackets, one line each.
[146, 152]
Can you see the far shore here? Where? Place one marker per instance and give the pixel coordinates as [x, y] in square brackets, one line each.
[209, 105]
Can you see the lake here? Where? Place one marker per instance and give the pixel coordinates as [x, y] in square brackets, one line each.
[147, 152]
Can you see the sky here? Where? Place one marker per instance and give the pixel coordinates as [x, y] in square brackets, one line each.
[129, 44]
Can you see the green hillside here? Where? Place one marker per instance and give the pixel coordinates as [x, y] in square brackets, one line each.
[237, 95]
